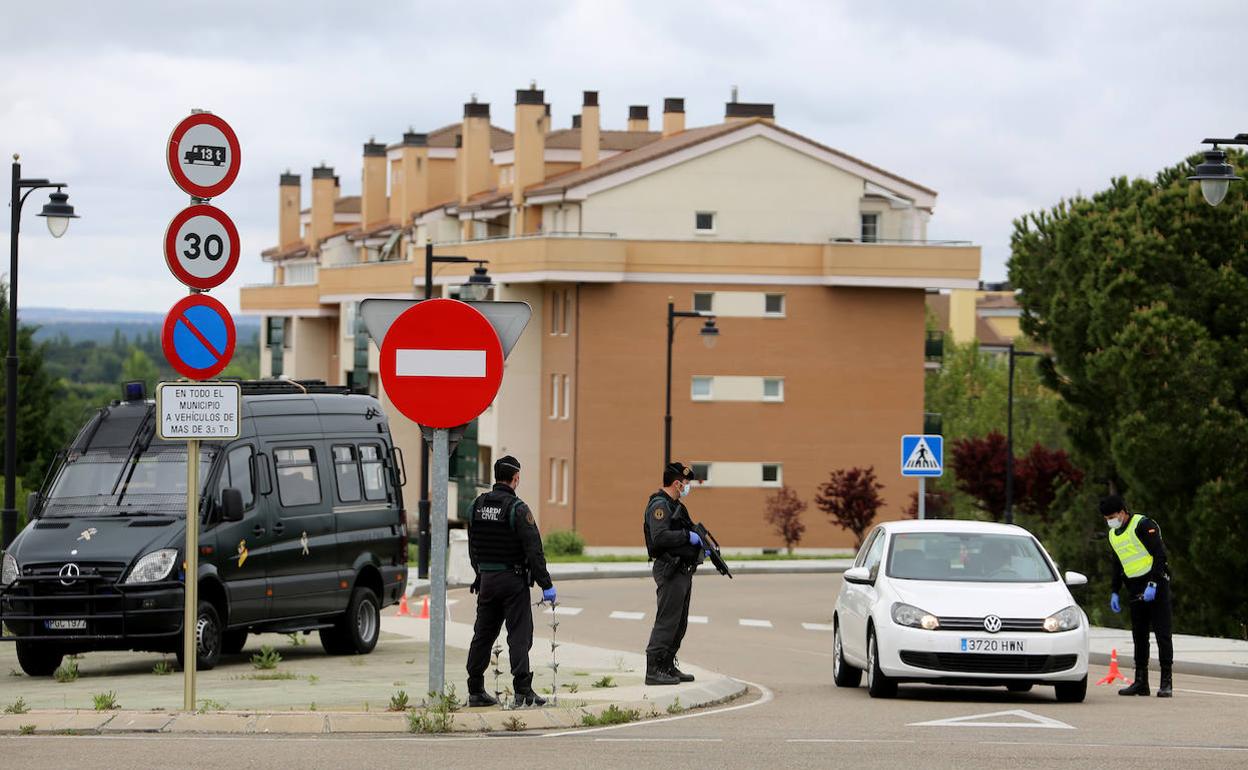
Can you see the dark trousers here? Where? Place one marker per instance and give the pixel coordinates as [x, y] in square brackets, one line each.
[671, 619]
[503, 598]
[1154, 615]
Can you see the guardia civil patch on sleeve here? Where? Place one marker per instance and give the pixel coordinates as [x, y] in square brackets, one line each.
[658, 513]
[529, 517]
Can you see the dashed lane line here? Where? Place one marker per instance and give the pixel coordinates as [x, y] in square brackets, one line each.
[1215, 692]
[564, 611]
[699, 619]
[621, 615]
[818, 627]
[766, 696]
[752, 623]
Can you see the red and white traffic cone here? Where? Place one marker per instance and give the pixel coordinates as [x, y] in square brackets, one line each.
[404, 612]
[424, 609]
[1114, 673]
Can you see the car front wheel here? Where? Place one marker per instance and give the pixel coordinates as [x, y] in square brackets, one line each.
[1071, 692]
[843, 674]
[878, 684]
[38, 658]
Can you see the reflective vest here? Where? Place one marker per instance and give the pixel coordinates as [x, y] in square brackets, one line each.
[1135, 558]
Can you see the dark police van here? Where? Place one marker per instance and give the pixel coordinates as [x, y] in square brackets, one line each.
[302, 529]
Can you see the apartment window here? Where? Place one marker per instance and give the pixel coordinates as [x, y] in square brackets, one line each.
[556, 311]
[771, 474]
[701, 388]
[702, 301]
[773, 389]
[701, 471]
[554, 478]
[773, 304]
[563, 490]
[704, 222]
[347, 325]
[870, 228]
[567, 394]
[554, 396]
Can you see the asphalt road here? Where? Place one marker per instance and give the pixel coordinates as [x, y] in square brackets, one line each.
[795, 717]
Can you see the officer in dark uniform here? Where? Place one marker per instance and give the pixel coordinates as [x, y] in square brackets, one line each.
[505, 548]
[1139, 565]
[677, 551]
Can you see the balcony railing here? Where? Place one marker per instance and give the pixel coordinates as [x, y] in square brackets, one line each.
[902, 241]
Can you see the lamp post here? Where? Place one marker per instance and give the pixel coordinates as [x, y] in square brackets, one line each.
[1215, 174]
[477, 288]
[58, 213]
[1009, 434]
[709, 334]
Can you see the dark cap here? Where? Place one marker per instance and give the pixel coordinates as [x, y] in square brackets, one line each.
[673, 471]
[506, 468]
[1111, 504]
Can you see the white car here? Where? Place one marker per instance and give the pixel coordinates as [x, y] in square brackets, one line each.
[963, 603]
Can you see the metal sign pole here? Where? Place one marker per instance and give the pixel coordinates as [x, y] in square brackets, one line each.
[190, 613]
[439, 477]
[922, 498]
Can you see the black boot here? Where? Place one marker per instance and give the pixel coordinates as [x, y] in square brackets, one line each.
[528, 698]
[1166, 690]
[657, 672]
[1139, 686]
[481, 698]
[676, 672]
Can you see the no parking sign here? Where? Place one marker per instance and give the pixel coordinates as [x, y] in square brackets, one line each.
[198, 337]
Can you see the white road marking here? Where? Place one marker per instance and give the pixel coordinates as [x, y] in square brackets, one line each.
[439, 363]
[1215, 692]
[1032, 721]
[844, 740]
[767, 697]
[564, 611]
[754, 623]
[619, 615]
[818, 627]
[699, 619]
[658, 740]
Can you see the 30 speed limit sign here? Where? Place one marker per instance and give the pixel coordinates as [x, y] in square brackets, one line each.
[201, 246]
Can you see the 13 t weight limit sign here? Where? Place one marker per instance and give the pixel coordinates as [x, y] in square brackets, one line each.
[201, 247]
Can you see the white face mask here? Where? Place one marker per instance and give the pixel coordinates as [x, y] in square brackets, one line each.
[685, 489]
[1114, 523]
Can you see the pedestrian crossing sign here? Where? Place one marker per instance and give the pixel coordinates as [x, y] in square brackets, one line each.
[922, 455]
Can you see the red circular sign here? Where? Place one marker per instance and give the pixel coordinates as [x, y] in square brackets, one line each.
[441, 363]
[201, 246]
[198, 337]
[203, 155]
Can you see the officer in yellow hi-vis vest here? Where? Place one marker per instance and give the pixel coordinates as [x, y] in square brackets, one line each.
[1140, 567]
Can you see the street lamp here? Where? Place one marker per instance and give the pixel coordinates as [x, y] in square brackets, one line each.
[478, 285]
[1009, 433]
[58, 213]
[709, 334]
[1215, 174]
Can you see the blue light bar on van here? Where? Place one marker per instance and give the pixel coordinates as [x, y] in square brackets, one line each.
[134, 391]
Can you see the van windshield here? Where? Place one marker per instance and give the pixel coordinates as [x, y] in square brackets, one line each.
[151, 480]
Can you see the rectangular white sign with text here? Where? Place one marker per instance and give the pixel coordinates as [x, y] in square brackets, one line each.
[198, 410]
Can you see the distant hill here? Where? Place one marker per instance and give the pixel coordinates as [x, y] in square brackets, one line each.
[101, 325]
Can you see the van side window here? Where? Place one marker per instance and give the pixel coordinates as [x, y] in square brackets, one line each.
[374, 472]
[237, 474]
[347, 474]
[297, 480]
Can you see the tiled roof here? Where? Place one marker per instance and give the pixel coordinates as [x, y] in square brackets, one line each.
[486, 200]
[997, 302]
[500, 138]
[349, 204]
[622, 141]
[290, 252]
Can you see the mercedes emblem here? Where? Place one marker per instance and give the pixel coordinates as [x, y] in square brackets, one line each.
[69, 574]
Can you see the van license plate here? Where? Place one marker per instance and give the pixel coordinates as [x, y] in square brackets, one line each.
[994, 645]
[66, 625]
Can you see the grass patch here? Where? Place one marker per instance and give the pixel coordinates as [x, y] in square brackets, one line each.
[270, 676]
[676, 707]
[105, 701]
[514, 725]
[267, 658]
[17, 707]
[437, 716]
[67, 671]
[612, 715]
[208, 704]
[162, 668]
[398, 701]
[313, 679]
[606, 681]
[26, 730]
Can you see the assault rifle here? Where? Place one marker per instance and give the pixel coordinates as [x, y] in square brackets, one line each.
[711, 546]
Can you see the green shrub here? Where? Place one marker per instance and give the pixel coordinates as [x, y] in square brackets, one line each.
[398, 701]
[606, 681]
[105, 701]
[267, 658]
[17, 707]
[162, 668]
[66, 672]
[564, 543]
[612, 715]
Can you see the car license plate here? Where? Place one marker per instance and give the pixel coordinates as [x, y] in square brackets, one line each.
[994, 645]
[66, 625]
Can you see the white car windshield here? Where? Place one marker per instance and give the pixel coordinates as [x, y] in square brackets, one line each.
[968, 557]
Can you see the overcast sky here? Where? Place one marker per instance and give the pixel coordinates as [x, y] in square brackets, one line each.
[1002, 107]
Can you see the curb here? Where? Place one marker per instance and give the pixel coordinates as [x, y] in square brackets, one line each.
[1194, 668]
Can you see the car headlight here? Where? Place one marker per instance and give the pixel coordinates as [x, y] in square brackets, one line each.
[9, 572]
[907, 615]
[1063, 620]
[154, 566]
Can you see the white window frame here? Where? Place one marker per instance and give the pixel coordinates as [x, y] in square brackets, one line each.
[710, 388]
[554, 480]
[567, 395]
[567, 311]
[563, 493]
[783, 305]
[554, 396]
[777, 398]
[779, 474]
[710, 295]
[862, 230]
[349, 310]
[556, 312]
[714, 223]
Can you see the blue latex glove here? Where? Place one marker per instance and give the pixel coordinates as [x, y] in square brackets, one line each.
[548, 594]
[694, 539]
[1150, 592]
[1113, 603]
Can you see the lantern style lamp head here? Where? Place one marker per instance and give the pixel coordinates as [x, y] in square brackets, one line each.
[58, 213]
[709, 333]
[478, 286]
[1215, 176]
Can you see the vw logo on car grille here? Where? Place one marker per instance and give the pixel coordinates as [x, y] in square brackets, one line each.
[992, 624]
[69, 574]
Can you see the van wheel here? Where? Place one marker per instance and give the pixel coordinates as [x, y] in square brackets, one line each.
[208, 639]
[356, 632]
[38, 659]
[843, 674]
[1071, 692]
[878, 685]
[232, 642]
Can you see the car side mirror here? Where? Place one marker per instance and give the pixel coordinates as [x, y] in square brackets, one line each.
[1076, 579]
[32, 506]
[231, 505]
[858, 576]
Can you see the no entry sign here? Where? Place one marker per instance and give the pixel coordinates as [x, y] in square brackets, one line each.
[201, 246]
[198, 337]
[441, 363]
[203, 155]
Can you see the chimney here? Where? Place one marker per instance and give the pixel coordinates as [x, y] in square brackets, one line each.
[473, 158]
[324, 194]
[373, 206]
[735, 111]
[589, 129]
[530, 144]
[414, 189]
[673, 116]
[289, 192]
[546, 124]
[639, 117]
